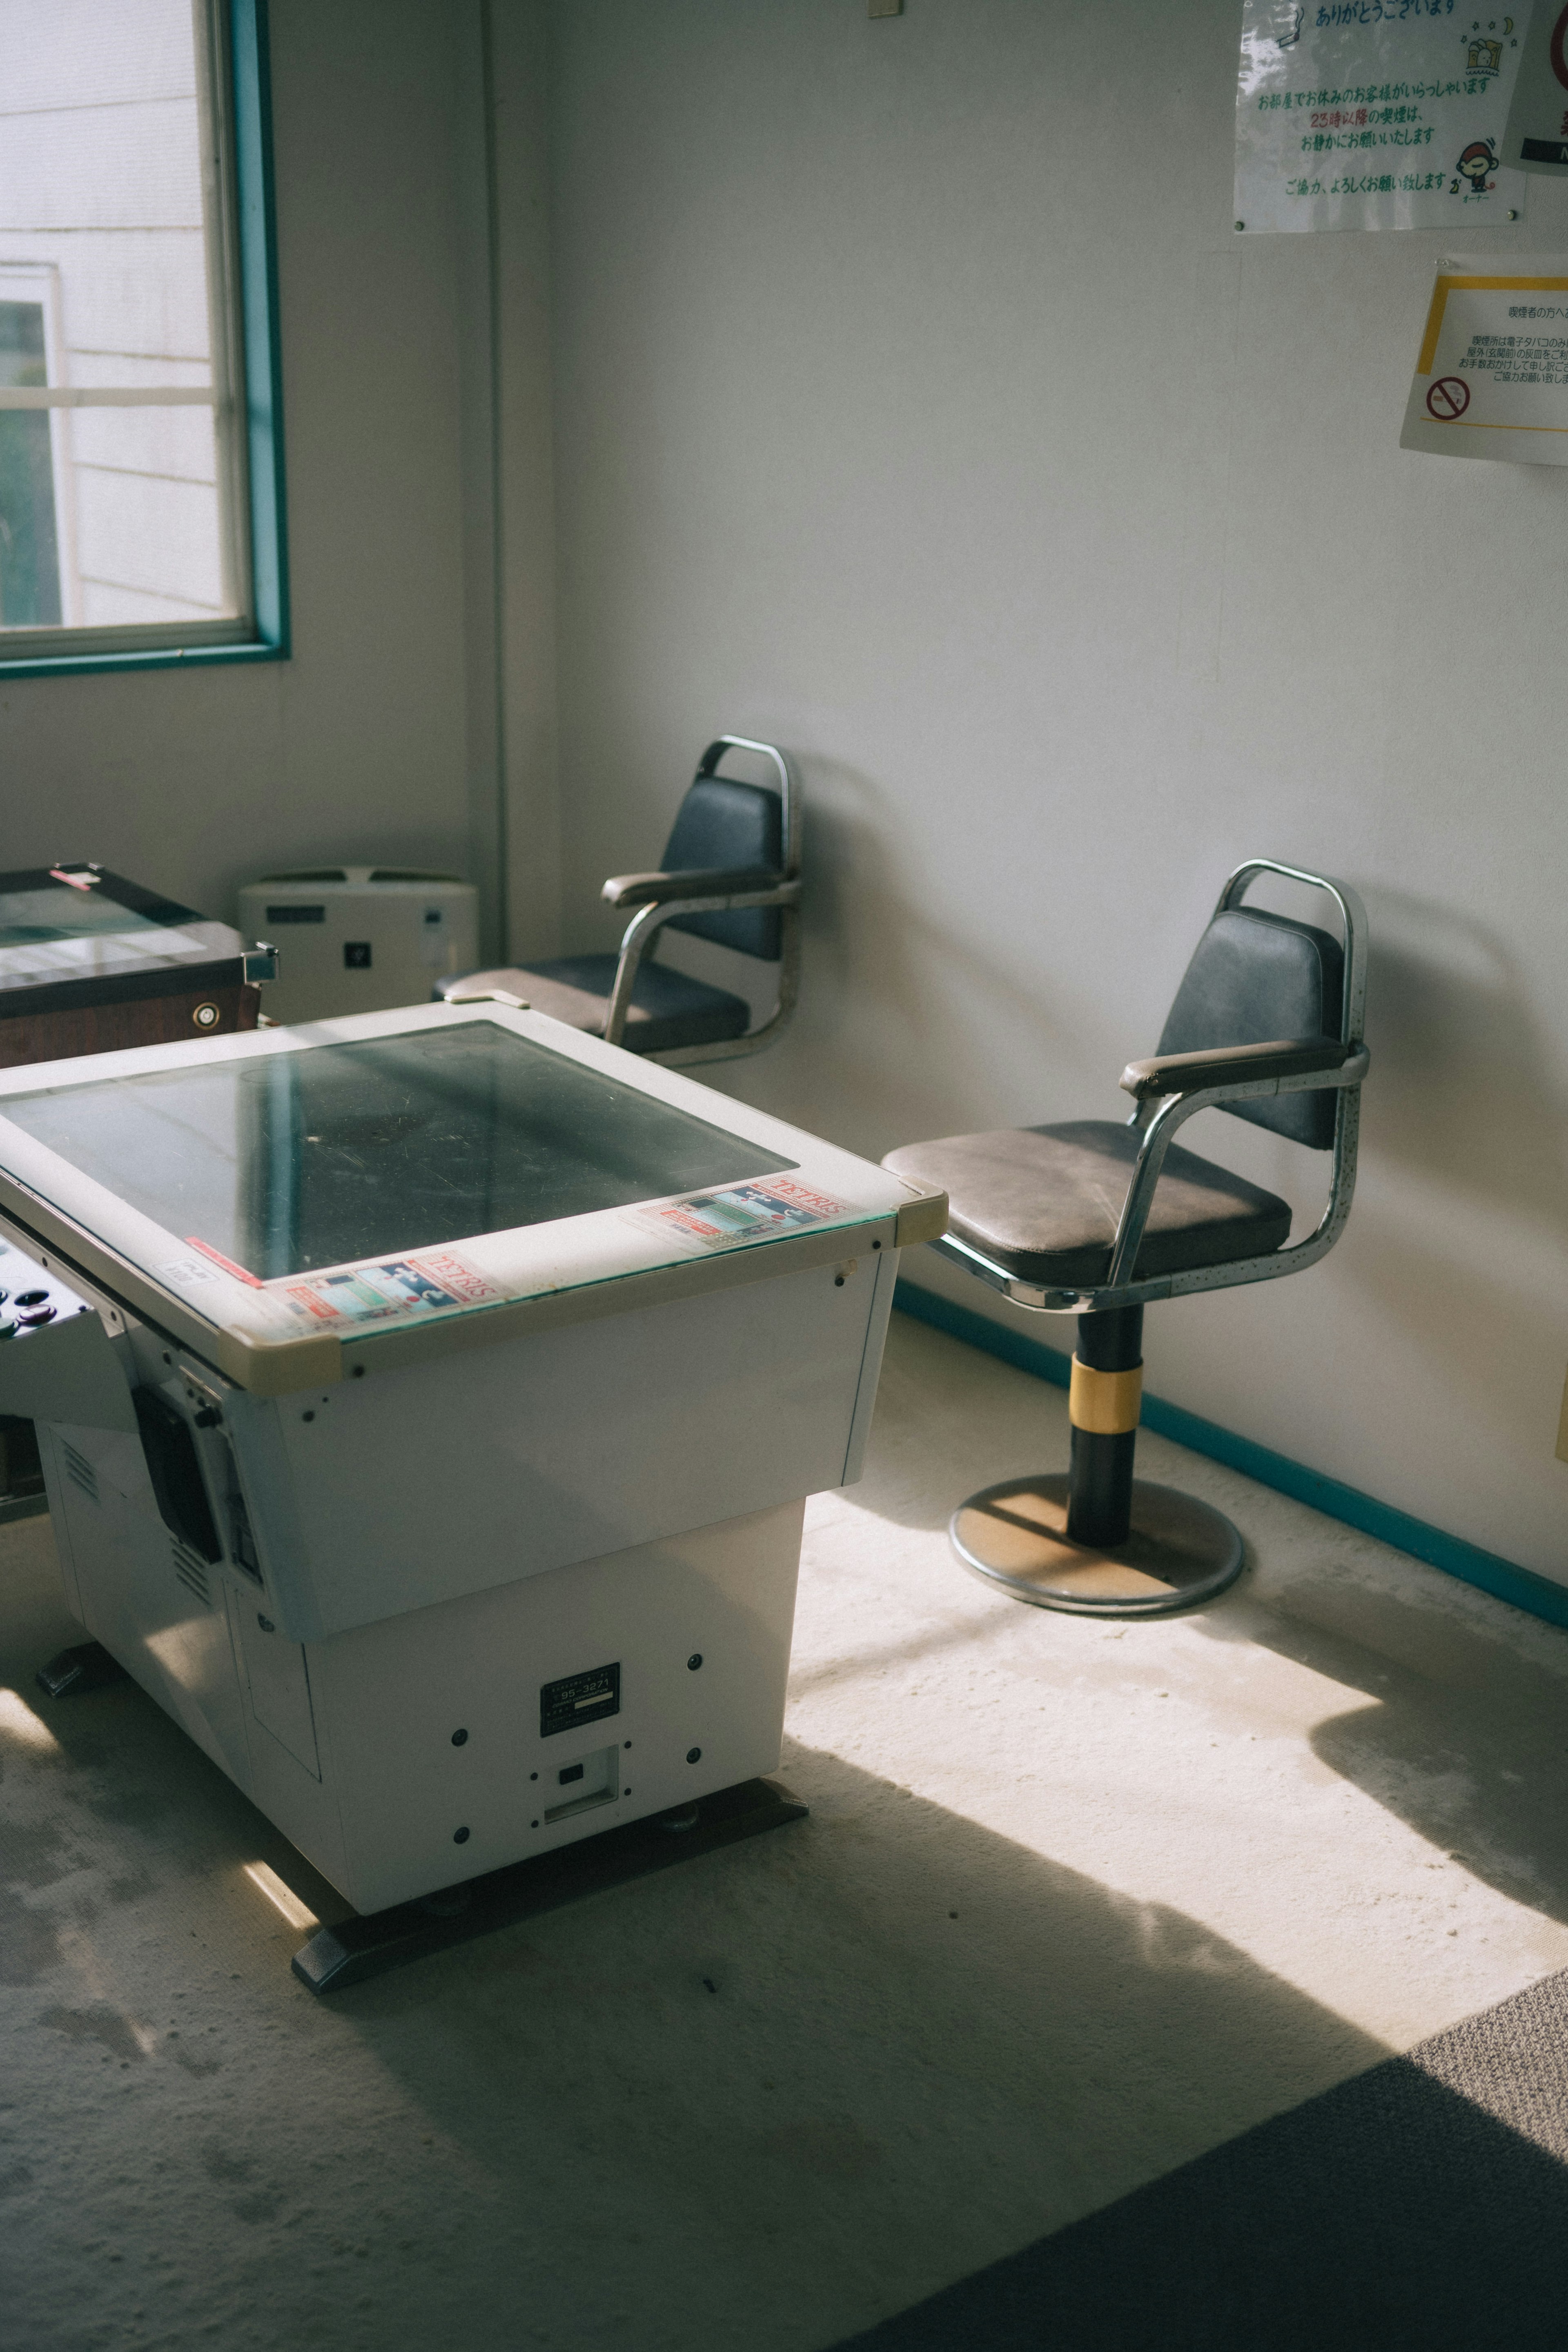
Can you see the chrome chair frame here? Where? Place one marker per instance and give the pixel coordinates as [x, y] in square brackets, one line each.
[659, 899]
[1160, 1125]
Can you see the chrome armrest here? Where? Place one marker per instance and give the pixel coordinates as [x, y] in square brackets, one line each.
[645, 922]
[748, 887]
[1285, 1057]
[1349, 1068]
[660, 898]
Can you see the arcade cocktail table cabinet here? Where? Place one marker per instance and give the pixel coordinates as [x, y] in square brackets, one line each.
[429, 1402]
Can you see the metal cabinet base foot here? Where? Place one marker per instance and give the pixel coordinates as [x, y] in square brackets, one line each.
[86, 1667]
[1180, 1552]
[356, 1949]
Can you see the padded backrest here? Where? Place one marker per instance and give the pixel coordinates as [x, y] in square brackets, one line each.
[725, 824]
[1255, 977]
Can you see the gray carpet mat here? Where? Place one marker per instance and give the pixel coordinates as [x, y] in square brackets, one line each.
[1421, 2205]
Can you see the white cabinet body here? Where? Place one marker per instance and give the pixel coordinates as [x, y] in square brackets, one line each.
[441, 1548]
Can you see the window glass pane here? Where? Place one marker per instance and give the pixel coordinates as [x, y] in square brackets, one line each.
[146, 487]
[110, 260]
[29, 561]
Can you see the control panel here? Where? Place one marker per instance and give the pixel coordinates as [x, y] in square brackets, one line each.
[57, 1359]
[32, 1295]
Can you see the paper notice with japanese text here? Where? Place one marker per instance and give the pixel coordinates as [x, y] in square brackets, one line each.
[1491, 376]
[1374, 114]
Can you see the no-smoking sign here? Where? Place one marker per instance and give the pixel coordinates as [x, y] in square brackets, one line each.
[1450, 397]
[1491, 375]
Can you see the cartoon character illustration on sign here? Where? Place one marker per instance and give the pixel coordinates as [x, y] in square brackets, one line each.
[1484, 57]
[1479, 158]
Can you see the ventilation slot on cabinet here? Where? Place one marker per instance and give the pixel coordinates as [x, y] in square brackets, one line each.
[79, 1471]
[191, 1570]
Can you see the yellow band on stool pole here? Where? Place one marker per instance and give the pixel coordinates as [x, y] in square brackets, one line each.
[1104, 1402]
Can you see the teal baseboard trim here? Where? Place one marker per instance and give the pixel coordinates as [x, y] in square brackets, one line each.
[1503, 1578]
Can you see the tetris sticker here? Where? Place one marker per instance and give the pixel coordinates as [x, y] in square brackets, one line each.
[434, 1281]
[742, 1213]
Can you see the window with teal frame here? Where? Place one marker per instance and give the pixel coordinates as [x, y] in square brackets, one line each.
[141, 451]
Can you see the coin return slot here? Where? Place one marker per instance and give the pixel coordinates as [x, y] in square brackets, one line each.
[591, 1780]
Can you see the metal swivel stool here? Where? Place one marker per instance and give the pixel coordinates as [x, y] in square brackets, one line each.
[730, 873]
[1266, 1025]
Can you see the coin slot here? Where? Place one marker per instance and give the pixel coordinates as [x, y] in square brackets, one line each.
[591, 1780]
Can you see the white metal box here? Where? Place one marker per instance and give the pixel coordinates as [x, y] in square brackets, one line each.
[359, 938]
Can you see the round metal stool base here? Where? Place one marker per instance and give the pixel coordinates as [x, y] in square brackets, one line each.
[1179, 1553]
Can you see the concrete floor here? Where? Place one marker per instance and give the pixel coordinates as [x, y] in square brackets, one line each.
[1076, 1902]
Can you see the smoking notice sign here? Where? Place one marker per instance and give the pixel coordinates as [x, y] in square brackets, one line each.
[1491, 376]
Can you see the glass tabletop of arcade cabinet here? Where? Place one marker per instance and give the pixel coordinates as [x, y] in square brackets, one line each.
[69, 924]
[354, 1180]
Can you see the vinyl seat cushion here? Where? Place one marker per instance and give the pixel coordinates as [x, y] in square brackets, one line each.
[668, 1009]
[1044, 1202]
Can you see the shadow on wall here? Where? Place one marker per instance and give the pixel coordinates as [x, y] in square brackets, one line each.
[926, 1031]
[1474, 1330]
[906, 1026]
[923, 1029]
[1462, 1087]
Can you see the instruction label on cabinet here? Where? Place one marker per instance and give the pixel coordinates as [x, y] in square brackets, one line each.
[1374, 114]
[741, 1213]
[436, 1281]
[1491, 375]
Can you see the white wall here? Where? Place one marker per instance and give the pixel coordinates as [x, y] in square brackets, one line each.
[362, 746]
[918, 405]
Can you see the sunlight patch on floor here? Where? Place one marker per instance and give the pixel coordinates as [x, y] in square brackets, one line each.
[1278, 1766]
[18, 1721]
[282, 1898]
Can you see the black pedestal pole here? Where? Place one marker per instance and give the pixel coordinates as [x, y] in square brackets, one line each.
[1092, 1539]
[1099, 1479]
